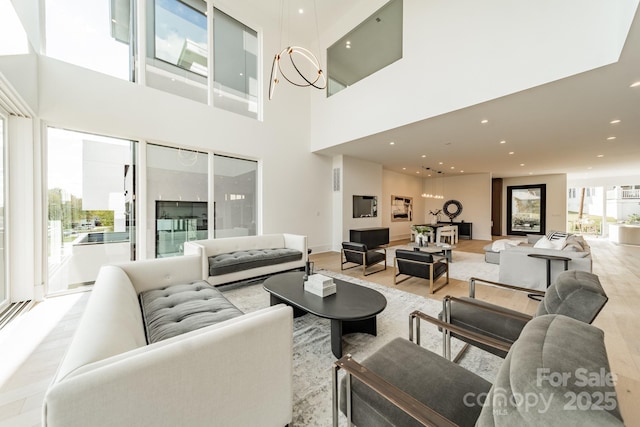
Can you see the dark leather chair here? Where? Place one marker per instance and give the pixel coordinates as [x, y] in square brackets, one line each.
[404, 384]
[576, 294]
[359, 254]
[420, 264]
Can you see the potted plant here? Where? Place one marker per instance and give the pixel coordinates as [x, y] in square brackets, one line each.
[421, 233]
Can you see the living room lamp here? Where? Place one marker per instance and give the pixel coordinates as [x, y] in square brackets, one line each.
[303, 68]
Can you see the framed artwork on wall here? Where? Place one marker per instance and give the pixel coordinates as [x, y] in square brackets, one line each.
[401, 208]
[526, 209]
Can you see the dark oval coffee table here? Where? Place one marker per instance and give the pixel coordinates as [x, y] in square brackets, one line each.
[353, 308]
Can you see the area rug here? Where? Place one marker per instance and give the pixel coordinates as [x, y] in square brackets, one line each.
[464, 266]
[312, 357]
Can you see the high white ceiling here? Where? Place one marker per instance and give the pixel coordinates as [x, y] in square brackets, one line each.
[559, 127]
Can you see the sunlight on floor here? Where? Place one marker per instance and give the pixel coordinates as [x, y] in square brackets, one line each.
[22, 336]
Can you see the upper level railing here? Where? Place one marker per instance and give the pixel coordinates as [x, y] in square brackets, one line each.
[620, 193]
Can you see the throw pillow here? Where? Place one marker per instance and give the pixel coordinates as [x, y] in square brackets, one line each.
[533, 238]
[573, 247]
[557, 235]
[545, 243]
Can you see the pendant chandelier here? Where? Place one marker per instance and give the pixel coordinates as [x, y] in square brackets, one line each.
[436, 185]
[297, 65]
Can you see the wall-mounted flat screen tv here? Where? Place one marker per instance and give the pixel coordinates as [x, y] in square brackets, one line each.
[365, 206]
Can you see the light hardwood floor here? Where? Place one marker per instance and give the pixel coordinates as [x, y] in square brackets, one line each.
[29, 356]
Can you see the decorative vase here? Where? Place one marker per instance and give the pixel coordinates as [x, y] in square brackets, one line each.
[420, 238]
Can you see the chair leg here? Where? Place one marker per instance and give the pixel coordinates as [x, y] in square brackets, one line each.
[334, 382]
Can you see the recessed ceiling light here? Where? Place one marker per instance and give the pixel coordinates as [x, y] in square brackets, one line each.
[424, 155]
[635, 84]
[521, 164]
[615, 122]
[404, 169]
[417, 171]
[452, 167]
[392, 143]
[600, 155]
[484, 121]
[503, 142]
[440, 163]
[530, 173]
[461, 171]
[611, 138]
[511, 153]
[301, 11]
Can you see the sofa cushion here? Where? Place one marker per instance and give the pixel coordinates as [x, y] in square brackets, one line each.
[254, 258]
[182, 308]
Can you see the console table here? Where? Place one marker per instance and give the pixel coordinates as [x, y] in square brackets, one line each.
[372, 237]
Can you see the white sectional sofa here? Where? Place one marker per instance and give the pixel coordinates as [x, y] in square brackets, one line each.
[237, 372]
[234, 259]
[519, 269]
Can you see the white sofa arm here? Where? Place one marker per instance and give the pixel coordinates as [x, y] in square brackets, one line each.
[161, 272]
[235, 373]
[195, 248]
[296, 241]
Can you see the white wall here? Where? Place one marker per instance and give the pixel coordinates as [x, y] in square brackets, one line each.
[464, 52]
[556, 206]
[397, 184]
[472, 191]
[359, 178]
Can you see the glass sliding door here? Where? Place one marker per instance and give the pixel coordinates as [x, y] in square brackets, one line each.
[91, 220]
[235, 196]
[4, 293]
[177, 199]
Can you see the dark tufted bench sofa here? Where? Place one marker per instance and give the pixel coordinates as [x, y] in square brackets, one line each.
[234, 259]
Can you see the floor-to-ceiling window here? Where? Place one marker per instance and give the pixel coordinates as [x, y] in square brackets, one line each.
[235, 196]
[89, 195]
[4, 293]
[176, 200]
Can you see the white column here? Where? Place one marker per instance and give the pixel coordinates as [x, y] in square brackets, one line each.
[22, 202]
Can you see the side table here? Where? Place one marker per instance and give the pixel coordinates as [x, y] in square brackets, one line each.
[548, 259]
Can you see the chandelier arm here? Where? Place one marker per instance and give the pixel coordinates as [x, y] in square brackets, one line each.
[310, 83]
[313, 60]
[274, 75]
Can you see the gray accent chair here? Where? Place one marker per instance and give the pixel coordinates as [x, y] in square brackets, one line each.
[576, 294]
[403, 384]
[359, 254]
[420, 264]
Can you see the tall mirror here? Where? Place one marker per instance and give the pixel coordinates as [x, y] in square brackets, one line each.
[526, 208]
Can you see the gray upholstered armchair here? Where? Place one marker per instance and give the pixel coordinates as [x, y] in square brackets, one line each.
[403, 384]
[359, 254]
[420, 264]
[576, 294]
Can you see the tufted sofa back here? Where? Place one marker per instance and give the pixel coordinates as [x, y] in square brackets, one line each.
[577, 294]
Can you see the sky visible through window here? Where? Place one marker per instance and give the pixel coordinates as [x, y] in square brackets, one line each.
[176, 23]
